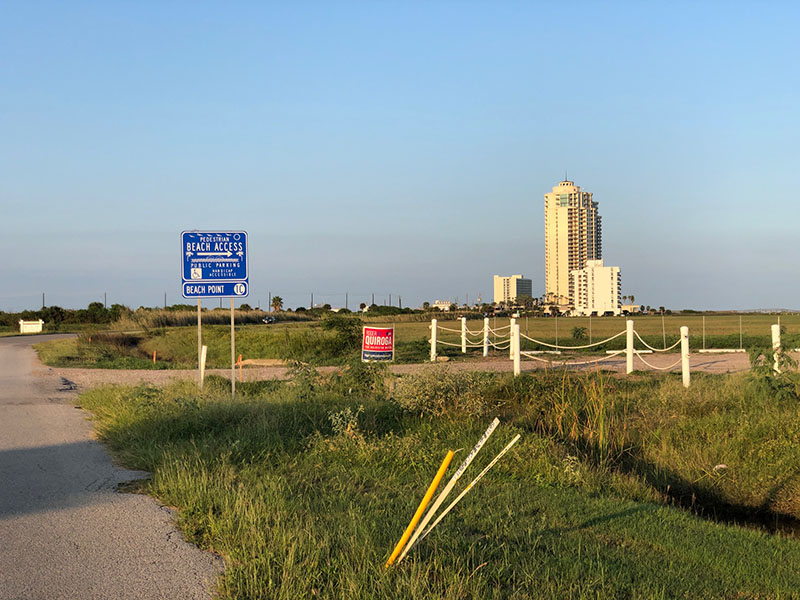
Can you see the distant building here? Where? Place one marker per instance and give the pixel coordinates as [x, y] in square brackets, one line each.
[630, 309]
[572, 236]
[595, 289]
[442, 305]
[507, 289]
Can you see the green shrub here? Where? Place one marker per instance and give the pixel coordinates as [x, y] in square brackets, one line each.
[437, 391]
[782, 385]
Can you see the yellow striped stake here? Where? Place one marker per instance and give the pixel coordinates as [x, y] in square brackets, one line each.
[448, 488]
[421, 508]
[469, 487]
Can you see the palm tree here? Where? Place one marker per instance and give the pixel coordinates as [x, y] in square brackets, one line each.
[277, 303]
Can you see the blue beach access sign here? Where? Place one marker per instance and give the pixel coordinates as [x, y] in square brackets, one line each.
[214, 264]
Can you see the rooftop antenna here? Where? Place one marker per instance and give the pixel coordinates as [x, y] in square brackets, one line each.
[565, 175]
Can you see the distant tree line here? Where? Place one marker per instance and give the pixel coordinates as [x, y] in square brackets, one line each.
[55, 315]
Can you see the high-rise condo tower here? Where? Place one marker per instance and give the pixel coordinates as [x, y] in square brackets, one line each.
[572, 235]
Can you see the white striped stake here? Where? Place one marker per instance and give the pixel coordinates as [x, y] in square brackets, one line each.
[776, 347]
[515, 346]
[469, 487]
[485, 336]
[463, 335]
[512, 322]
[448, 488]
[433, 340]
[629, 347]
[685, 356]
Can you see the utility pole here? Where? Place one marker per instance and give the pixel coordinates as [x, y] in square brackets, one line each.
[42, 299]
[312, 300]
[165, 300]
[345, 301]
[105, 300]
[400, 302]
[373, 298]
[390, 299]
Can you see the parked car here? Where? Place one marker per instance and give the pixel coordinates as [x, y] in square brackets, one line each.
[268, 320]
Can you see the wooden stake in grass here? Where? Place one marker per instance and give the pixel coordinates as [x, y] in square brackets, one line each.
[469, 487]
[427, 498]
[448, 488]
[154, 357]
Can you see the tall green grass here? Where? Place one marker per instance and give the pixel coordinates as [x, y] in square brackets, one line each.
[304, 486]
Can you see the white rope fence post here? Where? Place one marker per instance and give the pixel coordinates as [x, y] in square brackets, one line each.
[515, 347]
[485, 337]
[685, 356]
[629, 347]
[463, 335]
[776, 347]
[433, 340]
[512, 323]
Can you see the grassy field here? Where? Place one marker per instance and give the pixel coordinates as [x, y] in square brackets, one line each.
[305, 486]
[176, 347]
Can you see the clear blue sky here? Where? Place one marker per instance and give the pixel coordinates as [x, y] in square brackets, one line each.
[397, 147]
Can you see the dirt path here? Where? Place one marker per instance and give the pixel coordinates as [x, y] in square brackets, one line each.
[705, 363]
[66, 531]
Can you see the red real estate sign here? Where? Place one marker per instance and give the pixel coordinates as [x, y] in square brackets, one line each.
[377, 344]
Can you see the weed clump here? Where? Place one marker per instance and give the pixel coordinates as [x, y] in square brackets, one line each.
[781, 385]
[438, 392]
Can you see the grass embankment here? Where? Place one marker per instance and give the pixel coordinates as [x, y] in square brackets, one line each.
[305, 486]
[317, 343]
[176, 348]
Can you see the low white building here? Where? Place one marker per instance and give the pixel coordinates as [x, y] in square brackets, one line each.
[442, 305]
[507, 289]
[595, 289]
[30, 326]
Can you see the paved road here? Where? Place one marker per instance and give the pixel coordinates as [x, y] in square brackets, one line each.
[65, 530]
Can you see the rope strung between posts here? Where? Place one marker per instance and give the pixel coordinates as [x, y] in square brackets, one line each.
[499, 328]
[501, 345]
[571, 364]
[459, 345]
[672, 366]
[527, 355]
[675, 345]
[592, 362]
[458, 331]
[613, 337]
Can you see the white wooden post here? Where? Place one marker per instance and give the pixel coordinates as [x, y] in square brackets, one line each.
[515, 345]
[629, 347]
[776, 346]
[433, 340]
[486, 336]
[463, 335]
[513, 323]
[685, 356]
[203, 355]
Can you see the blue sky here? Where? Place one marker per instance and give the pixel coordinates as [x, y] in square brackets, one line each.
[397, 148]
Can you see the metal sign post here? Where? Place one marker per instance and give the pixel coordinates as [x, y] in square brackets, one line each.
[233, 354]
[214, 264]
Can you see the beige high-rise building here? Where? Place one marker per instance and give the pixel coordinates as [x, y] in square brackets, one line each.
[572, 235]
